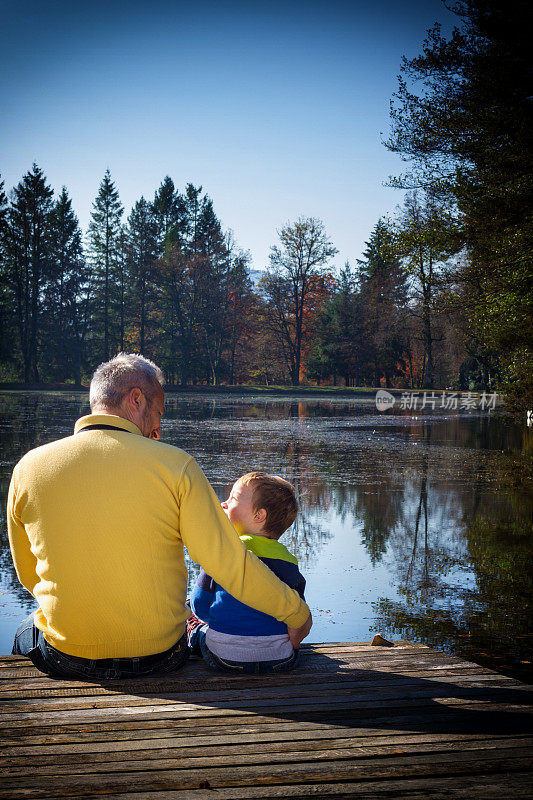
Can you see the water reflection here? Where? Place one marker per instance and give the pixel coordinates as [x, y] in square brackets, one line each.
[418, 526]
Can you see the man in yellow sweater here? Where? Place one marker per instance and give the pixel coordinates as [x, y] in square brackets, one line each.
[97, 522]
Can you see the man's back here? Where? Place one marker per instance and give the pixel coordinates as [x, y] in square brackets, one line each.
[100, 510]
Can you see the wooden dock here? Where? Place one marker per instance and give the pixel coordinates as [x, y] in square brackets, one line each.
[351, 721]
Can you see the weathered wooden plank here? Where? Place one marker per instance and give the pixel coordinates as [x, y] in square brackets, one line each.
[478, 787]
[277, 740]
[310, 662]
[70, 708]
[307, 655]
[477, 714]
[315, 647]
[352, 711]
[202, 677]
[445, 764]
[310, 653]
[236, 755]
[309, 659]
[387, 684]
[465, 719]
[50, 686]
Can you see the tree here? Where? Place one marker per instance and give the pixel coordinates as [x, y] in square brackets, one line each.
[241, 305]
[423, 240]
[104, 251]
[169, 214]
[383, 296]
[214, 250]
[7, 316]
[303, 257]
[141, 253]
[463, 118]
[28, 257]
[65, 295]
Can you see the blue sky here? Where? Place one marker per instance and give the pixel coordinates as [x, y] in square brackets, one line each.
[277, 109]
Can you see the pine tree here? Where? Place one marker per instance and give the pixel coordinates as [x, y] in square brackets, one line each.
[7, 305]
[170, 214]
[216, 264]
[192, 209]
[65, 295]
[241, 305]
[29, 261]
[104, 252]
[186, 285]
[383, 290]
[142, 246]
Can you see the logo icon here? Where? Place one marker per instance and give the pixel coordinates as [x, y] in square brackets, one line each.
[384, 400]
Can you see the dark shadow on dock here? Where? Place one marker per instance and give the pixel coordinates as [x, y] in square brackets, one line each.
[344, 697]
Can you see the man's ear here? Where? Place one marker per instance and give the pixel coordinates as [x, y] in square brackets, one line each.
[136, 398]
[260, 515]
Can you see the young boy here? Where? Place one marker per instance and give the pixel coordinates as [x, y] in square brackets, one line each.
[228, 634]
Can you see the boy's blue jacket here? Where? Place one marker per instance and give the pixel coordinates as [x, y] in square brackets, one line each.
[214, 605]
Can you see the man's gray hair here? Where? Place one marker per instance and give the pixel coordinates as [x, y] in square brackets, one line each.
[113, 379]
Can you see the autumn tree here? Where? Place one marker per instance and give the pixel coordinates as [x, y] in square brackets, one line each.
[294, 267]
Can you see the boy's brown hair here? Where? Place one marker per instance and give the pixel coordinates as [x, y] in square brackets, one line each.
[276, 496]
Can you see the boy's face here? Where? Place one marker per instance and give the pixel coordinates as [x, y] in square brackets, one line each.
[240, 511]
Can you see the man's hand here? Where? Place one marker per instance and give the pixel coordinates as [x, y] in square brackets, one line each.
[296, 635]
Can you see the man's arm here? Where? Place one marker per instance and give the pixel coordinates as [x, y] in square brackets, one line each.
[297, 635]
[23, 558]
[213, 543]
[202, 596]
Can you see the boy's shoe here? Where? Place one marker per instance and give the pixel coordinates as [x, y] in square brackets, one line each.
[193, 623]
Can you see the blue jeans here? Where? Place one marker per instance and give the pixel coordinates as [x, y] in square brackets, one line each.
[198, 646]
[29, 641]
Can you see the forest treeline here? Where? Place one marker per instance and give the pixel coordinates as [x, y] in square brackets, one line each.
[440, 298]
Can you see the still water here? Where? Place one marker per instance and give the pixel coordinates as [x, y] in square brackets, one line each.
[419, 527]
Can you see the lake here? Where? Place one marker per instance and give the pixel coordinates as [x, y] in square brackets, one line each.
[416, 524]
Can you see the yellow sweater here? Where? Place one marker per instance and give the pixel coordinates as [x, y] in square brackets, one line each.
[97, 522]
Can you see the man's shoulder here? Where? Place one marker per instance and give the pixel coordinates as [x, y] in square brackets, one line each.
[45, 451]
[162, 450]
[62, 449]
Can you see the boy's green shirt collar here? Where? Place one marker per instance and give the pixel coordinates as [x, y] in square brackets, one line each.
[263, 547]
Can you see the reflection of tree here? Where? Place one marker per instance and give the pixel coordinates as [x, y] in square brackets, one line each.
[492, 622]
[306, 537]
[423, 502]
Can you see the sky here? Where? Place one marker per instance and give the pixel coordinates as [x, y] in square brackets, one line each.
[277, 109]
